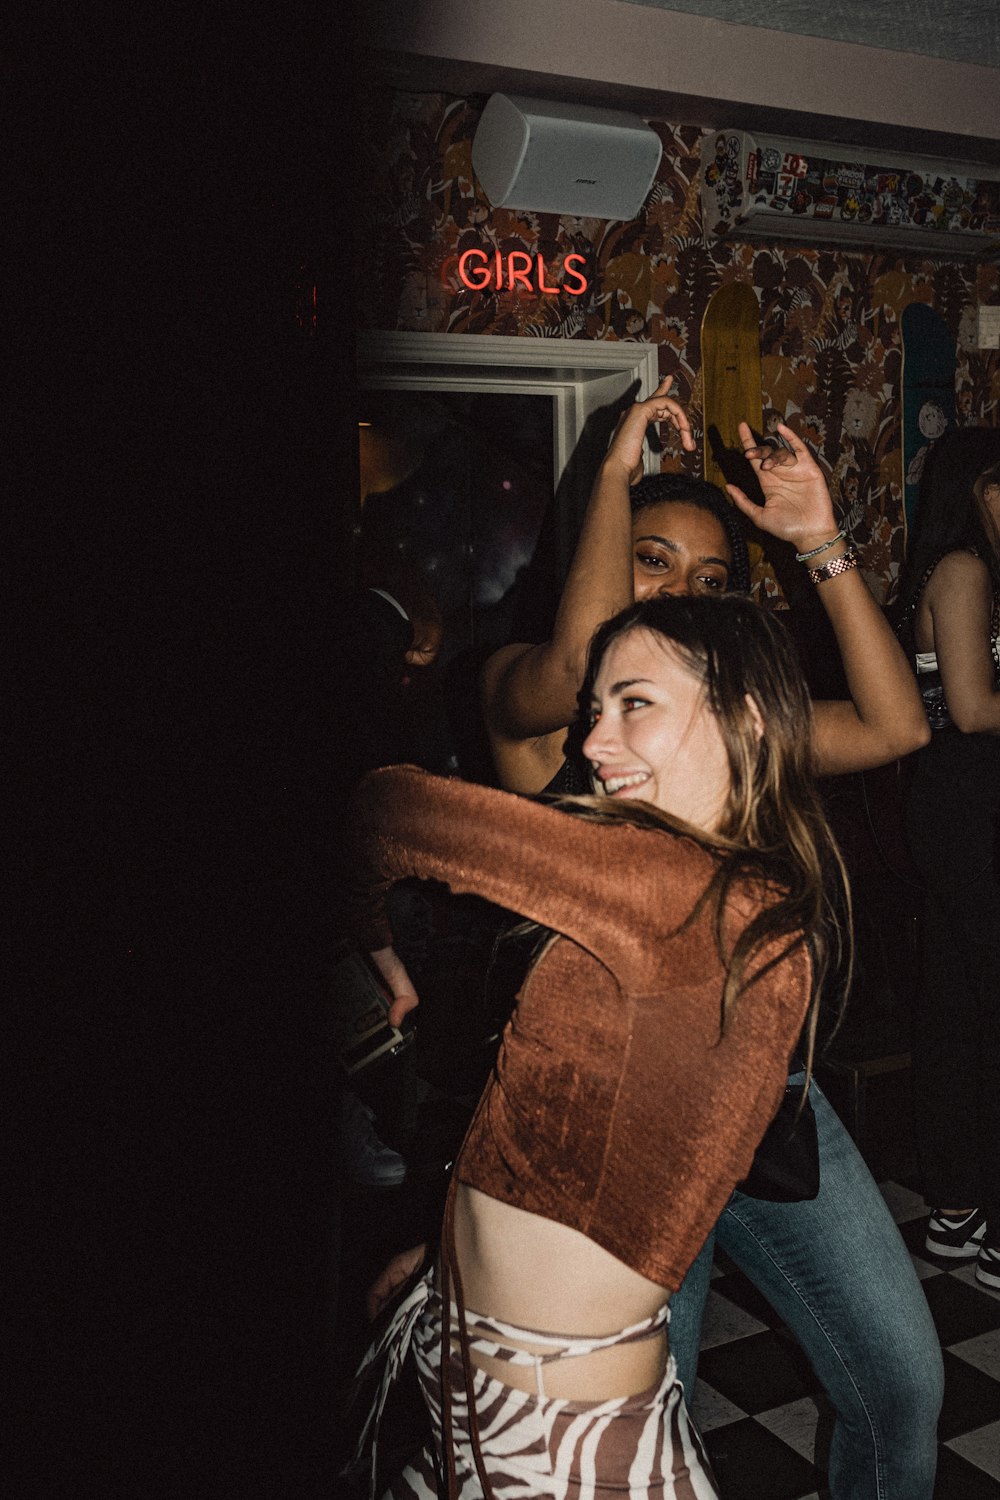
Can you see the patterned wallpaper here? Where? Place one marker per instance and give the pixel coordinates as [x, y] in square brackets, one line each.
[830, 319]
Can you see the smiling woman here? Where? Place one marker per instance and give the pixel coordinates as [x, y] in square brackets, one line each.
[685, 925]
[653, 735]
[851, 1299]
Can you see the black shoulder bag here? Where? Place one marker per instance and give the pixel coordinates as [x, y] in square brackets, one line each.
[785, 1166]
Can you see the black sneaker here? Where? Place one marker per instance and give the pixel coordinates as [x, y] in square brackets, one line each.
[988, 1266]
[957, 1236]
[369, 1161]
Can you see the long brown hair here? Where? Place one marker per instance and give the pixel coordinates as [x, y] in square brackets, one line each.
[773, 828]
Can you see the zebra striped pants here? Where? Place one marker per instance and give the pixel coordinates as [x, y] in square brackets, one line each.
[535, 1447]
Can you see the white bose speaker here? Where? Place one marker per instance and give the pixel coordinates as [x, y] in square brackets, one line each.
[564, 158]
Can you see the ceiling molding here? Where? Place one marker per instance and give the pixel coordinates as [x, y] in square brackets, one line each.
[690, 69]
[962, 30]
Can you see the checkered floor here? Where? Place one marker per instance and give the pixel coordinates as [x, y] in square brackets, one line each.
[766, 1423]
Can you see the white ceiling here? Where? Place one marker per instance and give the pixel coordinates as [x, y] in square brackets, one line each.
[919, 76]
[960, 30]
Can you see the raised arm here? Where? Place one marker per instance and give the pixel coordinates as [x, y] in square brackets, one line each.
[884, 717]
[576, 876]
[529, 692]
[959, 598]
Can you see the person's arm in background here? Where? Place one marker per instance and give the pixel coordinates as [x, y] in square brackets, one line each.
[389, 1280]
[959, 597]
[528, 692]
[884, 717]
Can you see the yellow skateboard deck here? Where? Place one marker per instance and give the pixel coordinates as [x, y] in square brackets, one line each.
[731, 378]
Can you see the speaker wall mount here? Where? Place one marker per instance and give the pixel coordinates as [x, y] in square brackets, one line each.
[563, 158]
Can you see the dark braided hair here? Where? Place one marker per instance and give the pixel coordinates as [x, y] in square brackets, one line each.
[661, 489]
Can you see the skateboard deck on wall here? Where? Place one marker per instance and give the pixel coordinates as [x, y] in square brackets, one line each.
[731, 386]
[928, 394]
[731, 379]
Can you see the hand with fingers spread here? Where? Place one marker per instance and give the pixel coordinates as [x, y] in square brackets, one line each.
[630, 434]
[883, 718]
[797, 505]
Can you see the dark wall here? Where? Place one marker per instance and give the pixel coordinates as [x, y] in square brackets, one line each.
[181, 438]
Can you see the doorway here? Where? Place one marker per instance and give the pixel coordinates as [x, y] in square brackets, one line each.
[476, 458]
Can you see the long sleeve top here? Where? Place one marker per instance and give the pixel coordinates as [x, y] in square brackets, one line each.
[617, 1107]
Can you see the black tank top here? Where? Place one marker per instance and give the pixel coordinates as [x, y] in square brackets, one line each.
[570, 780]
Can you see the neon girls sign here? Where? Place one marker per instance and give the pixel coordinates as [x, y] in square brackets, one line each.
[482, 270]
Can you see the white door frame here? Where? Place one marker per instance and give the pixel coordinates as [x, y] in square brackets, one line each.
[587, 382]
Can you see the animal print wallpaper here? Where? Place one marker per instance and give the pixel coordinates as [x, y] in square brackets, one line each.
[830, 319]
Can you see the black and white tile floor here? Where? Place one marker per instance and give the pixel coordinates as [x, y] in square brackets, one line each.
[764, 1418]
[765, 1421]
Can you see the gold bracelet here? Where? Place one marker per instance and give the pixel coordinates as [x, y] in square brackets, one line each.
[835, 567]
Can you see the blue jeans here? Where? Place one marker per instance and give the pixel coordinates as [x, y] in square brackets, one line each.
[836, 1271]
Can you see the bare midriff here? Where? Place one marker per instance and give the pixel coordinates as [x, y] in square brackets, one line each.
[534, 1273]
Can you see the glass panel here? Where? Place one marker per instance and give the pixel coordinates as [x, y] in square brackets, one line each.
[457, 488]
[459, 484]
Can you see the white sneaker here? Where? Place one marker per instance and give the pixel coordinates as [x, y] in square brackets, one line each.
[988, 1266]
[955, 1237]
[369, 1161]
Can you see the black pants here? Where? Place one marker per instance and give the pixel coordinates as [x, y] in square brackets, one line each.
[953, 824]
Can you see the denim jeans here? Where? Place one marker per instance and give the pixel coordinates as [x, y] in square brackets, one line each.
[836, 1271]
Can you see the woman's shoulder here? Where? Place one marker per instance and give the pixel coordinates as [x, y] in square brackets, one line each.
[958, 566]
[960, 581]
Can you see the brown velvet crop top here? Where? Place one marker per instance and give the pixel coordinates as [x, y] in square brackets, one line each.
[615, 1107]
